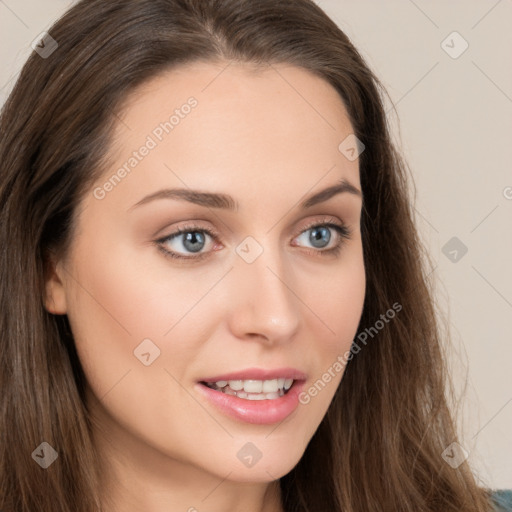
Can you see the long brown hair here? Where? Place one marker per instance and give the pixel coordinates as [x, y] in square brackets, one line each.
[379, 446]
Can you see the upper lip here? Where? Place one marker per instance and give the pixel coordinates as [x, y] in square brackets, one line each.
[259, 374]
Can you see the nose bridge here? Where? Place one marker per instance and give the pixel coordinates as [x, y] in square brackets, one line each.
[264, 302]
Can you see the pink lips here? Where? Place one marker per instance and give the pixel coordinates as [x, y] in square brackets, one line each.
[266, 411]
[259, 374]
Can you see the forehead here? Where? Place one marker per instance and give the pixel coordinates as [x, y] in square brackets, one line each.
[236, 83]
[277, 127]
[273, 102]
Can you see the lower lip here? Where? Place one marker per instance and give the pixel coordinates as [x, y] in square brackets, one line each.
[255, 411]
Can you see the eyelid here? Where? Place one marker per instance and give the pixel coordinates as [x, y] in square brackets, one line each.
[191, 226]
[329, 219]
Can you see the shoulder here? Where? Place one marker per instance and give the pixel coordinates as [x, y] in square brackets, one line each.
[502, 500]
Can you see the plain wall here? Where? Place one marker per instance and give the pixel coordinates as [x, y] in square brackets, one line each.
[455, 119]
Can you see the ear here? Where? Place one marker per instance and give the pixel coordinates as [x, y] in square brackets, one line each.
[55, 293]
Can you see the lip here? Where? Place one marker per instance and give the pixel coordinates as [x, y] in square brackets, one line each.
[259, 374]
[253, 411]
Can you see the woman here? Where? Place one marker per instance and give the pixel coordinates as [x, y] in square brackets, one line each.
[213, 293]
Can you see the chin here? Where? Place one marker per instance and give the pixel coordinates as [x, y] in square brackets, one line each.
[272, 464]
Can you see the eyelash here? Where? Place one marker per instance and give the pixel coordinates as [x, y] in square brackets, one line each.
[343, 231]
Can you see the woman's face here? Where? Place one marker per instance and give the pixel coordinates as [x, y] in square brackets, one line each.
[255, 291]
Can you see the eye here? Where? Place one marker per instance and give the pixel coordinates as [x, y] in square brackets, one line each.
[193, 239]
[188, 238]
[320, 236]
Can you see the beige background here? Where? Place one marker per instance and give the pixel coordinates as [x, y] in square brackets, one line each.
[455, 120]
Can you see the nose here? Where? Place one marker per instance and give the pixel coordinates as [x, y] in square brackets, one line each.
[264, 305]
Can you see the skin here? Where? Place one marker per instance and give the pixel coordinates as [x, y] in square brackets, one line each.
[269, 145]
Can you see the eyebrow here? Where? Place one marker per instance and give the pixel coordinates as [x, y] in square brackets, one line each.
[226, 202]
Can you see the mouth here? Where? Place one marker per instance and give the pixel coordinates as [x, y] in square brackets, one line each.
[252, 389]
[254, 395]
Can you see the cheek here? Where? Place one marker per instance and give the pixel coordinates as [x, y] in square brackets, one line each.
[128, 310]
[338, 301]
[132, 296]
[115, 304]
[337, 306]
[117, 308]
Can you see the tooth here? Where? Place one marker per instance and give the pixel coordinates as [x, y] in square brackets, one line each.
[253, 386]
[258, 396]
[270, 386]
[254, 389]
[237, 385]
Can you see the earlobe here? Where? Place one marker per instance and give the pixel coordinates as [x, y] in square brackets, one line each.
[55, 294]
